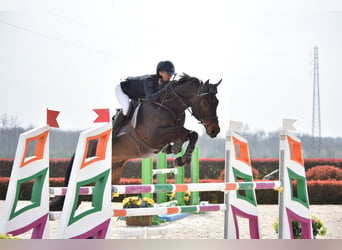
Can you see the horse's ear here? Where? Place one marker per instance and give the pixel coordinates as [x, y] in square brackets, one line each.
[217, 84]
[207, 82]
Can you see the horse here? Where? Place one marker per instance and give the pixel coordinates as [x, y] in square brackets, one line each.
[159, 126]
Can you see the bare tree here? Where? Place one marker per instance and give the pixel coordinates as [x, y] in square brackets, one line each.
[7, 121]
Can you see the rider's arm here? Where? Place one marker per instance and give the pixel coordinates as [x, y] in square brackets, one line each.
[150, 95]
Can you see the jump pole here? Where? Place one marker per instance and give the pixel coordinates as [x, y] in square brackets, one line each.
[180, 180]
[147, 173]
[293, 205]
[162, 171]
[194, 173]
[162, 177]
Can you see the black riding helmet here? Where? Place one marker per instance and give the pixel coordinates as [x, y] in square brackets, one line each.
[167, 66]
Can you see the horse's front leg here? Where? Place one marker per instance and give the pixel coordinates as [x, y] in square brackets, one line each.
[177, 135]
[186, 158]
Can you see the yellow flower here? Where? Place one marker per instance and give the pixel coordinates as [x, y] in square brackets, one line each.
[125, 201]
[149, 201]
[136, 201]
[187, 196]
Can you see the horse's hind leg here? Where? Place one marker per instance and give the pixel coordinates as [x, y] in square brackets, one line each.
[117, 170]
[56, 204]
[186, 158]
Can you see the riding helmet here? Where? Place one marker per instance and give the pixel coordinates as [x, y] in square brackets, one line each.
[167, 66]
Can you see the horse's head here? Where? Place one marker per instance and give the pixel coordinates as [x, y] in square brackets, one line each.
[204, 107]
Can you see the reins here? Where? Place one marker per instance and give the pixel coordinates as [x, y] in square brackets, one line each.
[200, 117]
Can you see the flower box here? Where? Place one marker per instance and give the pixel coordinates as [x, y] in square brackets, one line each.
[142, 221]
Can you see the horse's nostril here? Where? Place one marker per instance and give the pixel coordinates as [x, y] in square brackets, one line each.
[214, 132]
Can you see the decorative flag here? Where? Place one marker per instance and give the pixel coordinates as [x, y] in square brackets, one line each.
[103, 115]
[288, 124]
[52, 118]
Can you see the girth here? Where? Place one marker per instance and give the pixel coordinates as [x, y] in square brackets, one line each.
[144, 148]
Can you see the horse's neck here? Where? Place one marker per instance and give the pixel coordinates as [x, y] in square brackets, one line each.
[185, 96]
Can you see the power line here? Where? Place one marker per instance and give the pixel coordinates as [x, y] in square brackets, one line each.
[69, 19]
[101, 29]
[51, 37]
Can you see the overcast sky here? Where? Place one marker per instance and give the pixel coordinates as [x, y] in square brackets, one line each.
[69, 55]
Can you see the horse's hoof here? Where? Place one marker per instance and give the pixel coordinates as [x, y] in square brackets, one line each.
[56, 204]
[178, 162]
[167, 149]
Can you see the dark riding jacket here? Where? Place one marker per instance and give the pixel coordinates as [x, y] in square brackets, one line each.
[146, 86]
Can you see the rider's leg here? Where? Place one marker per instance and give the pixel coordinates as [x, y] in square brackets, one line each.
[122, 98]
[117, 123]
[120, 117]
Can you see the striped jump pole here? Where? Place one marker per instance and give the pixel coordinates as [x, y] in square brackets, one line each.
[293, 201]
[94, 221]
[169, 210]
[31, 164]
[194, 187]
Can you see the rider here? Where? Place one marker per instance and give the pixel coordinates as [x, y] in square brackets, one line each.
[150, 87]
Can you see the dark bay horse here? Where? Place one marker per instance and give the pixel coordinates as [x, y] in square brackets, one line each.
[157, 126]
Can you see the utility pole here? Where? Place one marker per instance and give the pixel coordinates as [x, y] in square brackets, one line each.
[316, 109]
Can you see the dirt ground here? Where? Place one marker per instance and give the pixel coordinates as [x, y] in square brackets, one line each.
[211, 225]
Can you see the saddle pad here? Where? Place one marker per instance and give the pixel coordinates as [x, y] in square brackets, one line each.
[133, 121]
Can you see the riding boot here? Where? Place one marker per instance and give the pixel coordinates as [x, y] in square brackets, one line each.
[118, 121]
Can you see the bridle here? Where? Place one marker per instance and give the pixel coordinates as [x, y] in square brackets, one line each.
[195, 105]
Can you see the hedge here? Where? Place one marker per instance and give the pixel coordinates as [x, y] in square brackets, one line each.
[324, 173]
[209, 169]
[57, 167]
[317, 191]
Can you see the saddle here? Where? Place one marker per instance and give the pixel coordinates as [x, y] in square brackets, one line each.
[126, 125]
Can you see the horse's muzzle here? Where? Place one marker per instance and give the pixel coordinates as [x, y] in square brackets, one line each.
[212, 128]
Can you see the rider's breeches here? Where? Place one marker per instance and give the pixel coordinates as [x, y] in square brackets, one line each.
[122, 98]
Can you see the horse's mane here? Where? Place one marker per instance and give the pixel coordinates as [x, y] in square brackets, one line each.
[185, 78]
